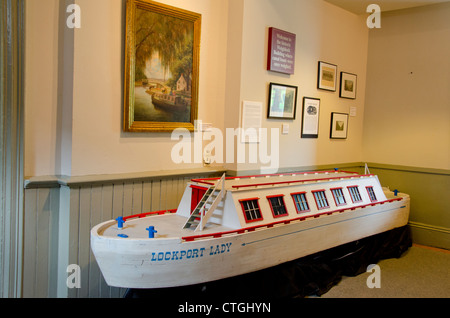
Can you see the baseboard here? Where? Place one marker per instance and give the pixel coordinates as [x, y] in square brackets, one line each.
[430, 235]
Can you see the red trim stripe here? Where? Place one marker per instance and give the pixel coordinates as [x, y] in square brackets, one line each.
[297, 181]
[142, 215]
[205, 180]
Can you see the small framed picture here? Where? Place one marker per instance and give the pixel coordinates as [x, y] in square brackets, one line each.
[326, 78]
[282, 101]
[348, 85]
[310, 117]
[339, 126]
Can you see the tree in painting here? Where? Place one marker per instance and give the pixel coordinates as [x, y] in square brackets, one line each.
[170, 39]
[163, 67]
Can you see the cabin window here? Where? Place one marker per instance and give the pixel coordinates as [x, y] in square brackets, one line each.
[354, 194]
[277, 206]
[321, 199]
[371, 194]
[251, 209]
[301, 204]
[338, 196]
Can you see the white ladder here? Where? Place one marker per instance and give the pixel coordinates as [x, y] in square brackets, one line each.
[202, 213]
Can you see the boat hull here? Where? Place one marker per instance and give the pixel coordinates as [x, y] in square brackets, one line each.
[168, 107]
[169, 262]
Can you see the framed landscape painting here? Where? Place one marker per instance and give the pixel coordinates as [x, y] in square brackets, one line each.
[339, 126]
[282, 101]
[326, 77]
[161, 67]
[348, 85]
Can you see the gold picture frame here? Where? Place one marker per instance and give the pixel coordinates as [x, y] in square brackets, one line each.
[162, 56]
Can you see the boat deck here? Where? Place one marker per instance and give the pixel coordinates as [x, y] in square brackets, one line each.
[167, 226]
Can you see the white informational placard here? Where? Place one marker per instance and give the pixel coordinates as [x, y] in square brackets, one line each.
[310, 122]
[251, 121]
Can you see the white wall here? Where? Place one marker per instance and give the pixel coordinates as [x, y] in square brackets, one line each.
[407, 120]
[41, 86]
[232, 69]
[324, 32]
[99, 146]
[96, 140]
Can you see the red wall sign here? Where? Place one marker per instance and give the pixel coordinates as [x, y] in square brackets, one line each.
[281, 56]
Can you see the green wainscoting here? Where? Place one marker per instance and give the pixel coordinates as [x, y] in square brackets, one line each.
[429, 190]
[60, 212]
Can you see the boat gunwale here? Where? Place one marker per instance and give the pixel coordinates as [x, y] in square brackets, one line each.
[145, 214]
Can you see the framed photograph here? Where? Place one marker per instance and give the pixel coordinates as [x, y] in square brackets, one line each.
[161, 67]
[326, 78]
[310, 117]
[282, 101]
[348, 85]
[339, 126]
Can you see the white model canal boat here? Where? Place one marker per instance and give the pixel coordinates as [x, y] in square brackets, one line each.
[225, 227]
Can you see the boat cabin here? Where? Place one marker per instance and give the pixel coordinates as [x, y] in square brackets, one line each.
[265, 199]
